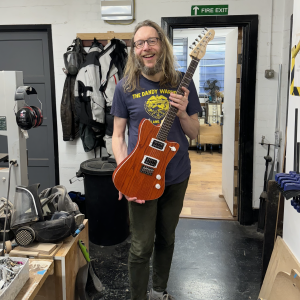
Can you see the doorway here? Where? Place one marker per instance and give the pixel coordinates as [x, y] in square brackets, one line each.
[210, 191]
[249, 25]
[28, 48]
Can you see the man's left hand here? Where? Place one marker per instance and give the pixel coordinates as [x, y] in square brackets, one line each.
[181, 102]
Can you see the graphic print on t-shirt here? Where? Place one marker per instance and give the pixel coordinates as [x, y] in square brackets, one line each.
[157, 104]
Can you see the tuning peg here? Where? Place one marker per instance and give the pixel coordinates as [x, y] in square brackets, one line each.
[197, 40]
[200, 36]
[205, 28]
[191, 47]
[194, 43]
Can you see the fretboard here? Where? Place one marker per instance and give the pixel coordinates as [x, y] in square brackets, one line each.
[171, 114]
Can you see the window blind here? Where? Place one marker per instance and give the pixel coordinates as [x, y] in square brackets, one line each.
[212, 65]
[180, 47]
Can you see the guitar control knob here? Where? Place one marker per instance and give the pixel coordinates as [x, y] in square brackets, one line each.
[157, 186]
[158, 177]
[173, 148]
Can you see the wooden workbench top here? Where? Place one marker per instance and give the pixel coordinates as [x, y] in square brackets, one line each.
[39, 270]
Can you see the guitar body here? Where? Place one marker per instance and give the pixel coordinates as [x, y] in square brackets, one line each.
[142, 173]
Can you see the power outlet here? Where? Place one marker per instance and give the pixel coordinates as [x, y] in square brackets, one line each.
[269, 73]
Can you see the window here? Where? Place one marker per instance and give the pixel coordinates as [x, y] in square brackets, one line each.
[180, 51]
[212, 65]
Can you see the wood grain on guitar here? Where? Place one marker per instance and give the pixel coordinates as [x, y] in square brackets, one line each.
[142, 173]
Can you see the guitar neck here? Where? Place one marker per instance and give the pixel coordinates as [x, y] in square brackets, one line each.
[171, 114]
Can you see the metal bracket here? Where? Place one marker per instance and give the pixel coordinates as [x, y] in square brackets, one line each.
[21, 90]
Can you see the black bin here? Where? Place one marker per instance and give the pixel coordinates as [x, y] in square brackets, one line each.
[108, 217]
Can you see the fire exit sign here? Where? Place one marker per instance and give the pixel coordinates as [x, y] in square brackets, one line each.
[209, 10]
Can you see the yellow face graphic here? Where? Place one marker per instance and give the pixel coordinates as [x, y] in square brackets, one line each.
[157, 106]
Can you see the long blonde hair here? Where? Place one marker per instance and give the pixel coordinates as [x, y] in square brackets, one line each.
[170, 77]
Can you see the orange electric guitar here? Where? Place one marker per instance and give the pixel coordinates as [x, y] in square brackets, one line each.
[142, 173]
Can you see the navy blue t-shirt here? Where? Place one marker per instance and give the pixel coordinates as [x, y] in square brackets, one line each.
[152, 102]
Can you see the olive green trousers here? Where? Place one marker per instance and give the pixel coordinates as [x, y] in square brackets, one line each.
[152, 226]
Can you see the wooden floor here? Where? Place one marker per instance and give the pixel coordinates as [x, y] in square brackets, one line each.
[205, 185]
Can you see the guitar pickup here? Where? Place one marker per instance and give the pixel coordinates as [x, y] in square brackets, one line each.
[150, 161]
[157, 144]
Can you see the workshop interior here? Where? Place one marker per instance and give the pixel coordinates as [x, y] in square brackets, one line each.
[63, 232]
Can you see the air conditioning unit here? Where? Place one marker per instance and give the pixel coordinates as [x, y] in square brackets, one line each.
[117, 10]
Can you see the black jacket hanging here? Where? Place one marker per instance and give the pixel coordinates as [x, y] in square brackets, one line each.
[67, 110]
[69, 119]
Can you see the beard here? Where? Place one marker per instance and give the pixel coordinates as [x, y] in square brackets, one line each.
[146, 70]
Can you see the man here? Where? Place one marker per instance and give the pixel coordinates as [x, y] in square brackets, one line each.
[149, 82]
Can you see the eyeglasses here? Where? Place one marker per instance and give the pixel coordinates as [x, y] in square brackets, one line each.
[151, 42]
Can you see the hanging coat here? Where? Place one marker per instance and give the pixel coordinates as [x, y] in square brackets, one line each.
[94, 88]
[67, 110]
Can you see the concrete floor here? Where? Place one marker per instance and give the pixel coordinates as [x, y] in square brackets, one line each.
[217, 260]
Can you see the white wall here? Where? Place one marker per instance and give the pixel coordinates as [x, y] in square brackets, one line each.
[291, 225]
[229, 117]
[69, 17]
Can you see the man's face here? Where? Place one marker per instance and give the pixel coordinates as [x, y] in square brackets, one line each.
[148, 57]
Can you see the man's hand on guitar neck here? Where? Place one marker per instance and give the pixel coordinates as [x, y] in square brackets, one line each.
[181, 102]
[134, 199]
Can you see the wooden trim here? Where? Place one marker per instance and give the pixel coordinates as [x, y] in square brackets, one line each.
[104, 38]
[237, 123]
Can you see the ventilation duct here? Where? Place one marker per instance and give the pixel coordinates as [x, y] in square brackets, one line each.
[117, 10]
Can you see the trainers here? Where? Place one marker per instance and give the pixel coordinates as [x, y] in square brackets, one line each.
[165, 296]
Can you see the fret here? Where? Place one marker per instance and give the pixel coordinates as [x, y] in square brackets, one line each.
[171, 114]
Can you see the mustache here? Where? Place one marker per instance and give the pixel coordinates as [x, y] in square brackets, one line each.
[159, 58]
[138, 60]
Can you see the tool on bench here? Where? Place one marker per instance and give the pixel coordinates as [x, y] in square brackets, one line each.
[263, 195]
[279, 175]
[78, 230]
[85, 273]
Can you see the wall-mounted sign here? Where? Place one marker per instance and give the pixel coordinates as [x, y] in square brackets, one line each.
[209, 10]
[3, 123]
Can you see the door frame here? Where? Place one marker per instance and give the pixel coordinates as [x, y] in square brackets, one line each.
[249, 23]
[44, 28]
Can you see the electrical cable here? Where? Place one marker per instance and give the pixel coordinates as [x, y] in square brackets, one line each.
[6, 211]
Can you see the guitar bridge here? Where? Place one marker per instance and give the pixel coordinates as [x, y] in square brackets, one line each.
[146, 170]
[150, 161]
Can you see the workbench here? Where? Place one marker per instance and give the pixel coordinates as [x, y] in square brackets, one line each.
[39, 270]
[58, 281]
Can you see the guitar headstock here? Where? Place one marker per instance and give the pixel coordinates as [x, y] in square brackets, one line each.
[200, 45]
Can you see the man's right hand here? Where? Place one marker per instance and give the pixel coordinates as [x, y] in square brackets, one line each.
[134, 199]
